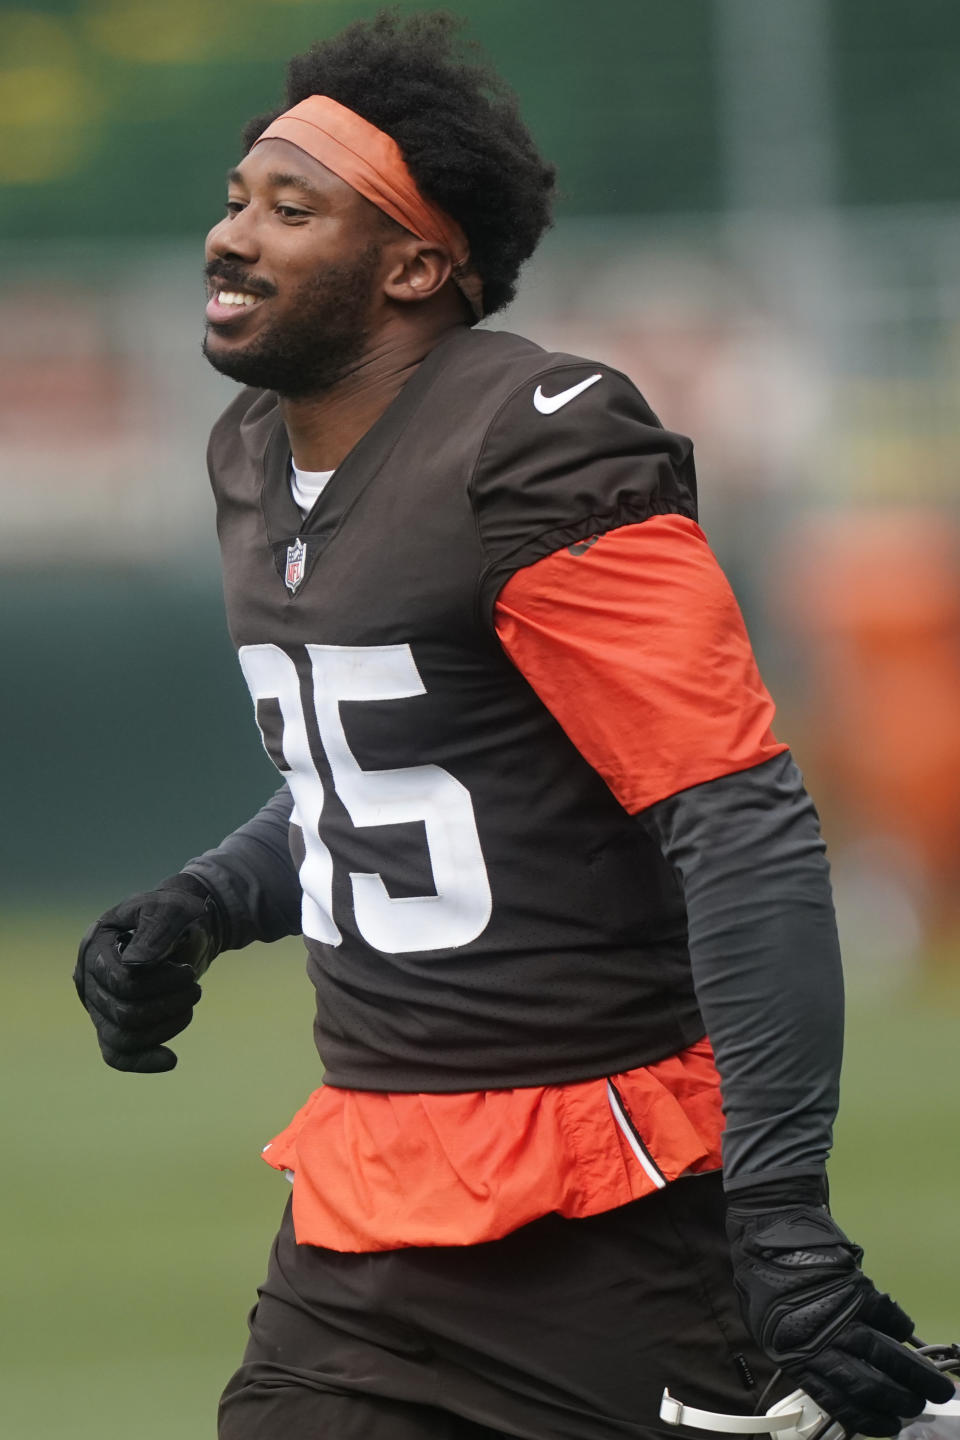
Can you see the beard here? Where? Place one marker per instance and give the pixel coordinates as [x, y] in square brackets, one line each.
[317, 343]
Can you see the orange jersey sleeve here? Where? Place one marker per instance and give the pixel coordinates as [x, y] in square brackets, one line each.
[635, 643]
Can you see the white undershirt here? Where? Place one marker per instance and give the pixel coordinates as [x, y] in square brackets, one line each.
[307, 485]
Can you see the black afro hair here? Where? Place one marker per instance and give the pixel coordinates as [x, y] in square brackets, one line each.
[456, 123]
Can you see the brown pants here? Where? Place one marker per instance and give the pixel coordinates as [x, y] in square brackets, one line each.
[563, 1330]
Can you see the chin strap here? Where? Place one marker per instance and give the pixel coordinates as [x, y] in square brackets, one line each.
[796, 1417]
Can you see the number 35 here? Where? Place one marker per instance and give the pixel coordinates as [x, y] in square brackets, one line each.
[460, 909]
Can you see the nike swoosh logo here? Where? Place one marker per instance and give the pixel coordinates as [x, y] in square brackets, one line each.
[547, 404]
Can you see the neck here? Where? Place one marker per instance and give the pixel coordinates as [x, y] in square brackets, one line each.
[324, 428]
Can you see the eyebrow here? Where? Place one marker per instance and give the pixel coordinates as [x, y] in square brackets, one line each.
[280, 180]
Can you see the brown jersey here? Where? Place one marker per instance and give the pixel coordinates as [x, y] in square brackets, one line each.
[480, 911]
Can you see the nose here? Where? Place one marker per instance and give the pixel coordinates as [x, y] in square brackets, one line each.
[233, 238]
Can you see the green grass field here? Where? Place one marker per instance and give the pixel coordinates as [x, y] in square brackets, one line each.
[136, 1215]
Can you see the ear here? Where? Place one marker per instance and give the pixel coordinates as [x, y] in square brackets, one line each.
[418, 271]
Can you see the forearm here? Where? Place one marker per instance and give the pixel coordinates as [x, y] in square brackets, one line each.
[766, 962]
[253, 878]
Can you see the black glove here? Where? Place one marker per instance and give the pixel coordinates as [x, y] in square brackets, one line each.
[809, 1305]
[138, 966]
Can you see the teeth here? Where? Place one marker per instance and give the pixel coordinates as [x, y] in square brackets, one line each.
[234, 297]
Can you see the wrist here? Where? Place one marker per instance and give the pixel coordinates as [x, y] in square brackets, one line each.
[214, 912]
[809, 1191]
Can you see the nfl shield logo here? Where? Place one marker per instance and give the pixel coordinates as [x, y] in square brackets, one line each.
[296, 555]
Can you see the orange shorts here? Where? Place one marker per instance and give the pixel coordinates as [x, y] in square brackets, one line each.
[374, 1171]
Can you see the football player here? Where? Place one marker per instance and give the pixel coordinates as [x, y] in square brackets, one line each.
[561, 887]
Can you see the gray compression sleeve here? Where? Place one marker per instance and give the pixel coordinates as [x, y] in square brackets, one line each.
[765, 960]
[252, 875]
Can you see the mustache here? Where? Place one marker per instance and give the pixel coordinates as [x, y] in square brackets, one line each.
[234, 277]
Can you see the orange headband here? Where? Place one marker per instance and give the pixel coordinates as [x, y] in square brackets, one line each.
[371, 162]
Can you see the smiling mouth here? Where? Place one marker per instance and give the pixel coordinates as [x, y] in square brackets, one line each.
[227, 306]
[236, 297]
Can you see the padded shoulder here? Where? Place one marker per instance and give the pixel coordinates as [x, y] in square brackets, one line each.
[240, 430]
[573, 450]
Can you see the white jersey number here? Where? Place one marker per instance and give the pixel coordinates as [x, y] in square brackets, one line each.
[460, 910]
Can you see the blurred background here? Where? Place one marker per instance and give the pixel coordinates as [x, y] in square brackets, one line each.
[760, 223]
